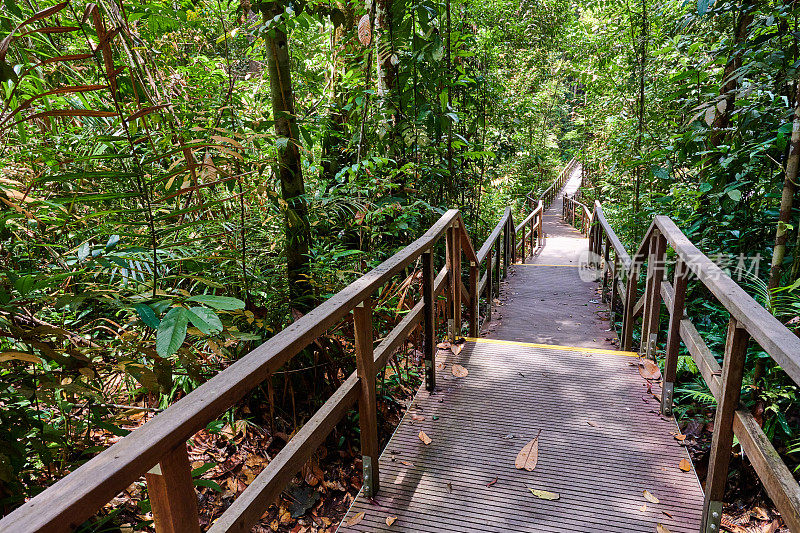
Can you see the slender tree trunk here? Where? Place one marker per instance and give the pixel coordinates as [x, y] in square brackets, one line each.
[386, 71]
[787, 198]
[449, 86]
[296, 226]
[722, 117]
[334, 154]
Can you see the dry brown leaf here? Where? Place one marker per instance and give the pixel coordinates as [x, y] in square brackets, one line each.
[660, 528]
[773, 527]
[459, 371]
[649, 497]
[759, 513]
[390, 520]
[649, 370]
[680, 437]
[356, 519]
[643, 508]
[443, 345]
[685, 465]
[529, 455]
[407, 463]
[424, 438]
[591, 423]
[418, 418]
[364, 31]
[456, 348]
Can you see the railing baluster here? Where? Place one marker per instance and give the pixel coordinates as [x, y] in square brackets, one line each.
[429, 320]
[474, 304]
[449, 260]
[173, 499]
[631, 287]
[533, 243]
[674, 335]
[524, 242]
[367, 402]
[505, 250]
[652, 305]
[606, 267]
[497, 268]
[722, 440]
[489, 285]
[455, 281]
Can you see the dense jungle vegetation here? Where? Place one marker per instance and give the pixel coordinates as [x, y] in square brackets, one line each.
[181, 180]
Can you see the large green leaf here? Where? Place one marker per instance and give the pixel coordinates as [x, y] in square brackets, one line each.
[147, 315]
[171, 331]
[205, 320]
[223, 303]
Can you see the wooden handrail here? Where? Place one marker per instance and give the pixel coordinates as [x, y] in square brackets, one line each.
[749, 321]
[78, 496]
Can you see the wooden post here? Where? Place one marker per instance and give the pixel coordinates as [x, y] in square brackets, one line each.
[541, 225]
[505, 250]
[173, 499]
[449, 260]
[533, 242]
[674, 335]
[722, 440]
[489, 285]
[524, 242]
[429, 313]
[606, 268]
[614, 271]
[652, 302]
[497, 267]
[474, 304]
[455, 282]
[367, 404]
[627, 308]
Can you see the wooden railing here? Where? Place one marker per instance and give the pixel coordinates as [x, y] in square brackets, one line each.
[576, 212]
[748, 321]
[158, 449]
[552, 191]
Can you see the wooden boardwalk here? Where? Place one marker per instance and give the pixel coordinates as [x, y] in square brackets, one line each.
[547, 365]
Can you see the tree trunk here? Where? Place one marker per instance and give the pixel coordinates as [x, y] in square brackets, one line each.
[296, 226]
[787, 198]
[334, 154]
[722, 117]
[386, 70]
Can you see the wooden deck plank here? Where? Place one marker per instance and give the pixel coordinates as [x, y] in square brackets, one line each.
[602, 442]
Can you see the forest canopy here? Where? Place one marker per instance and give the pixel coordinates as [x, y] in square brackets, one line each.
[181, 180]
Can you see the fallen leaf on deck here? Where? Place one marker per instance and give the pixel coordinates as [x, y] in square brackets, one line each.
[661, 528]
[593, 424]
[456, 348]
[773, 527]
[459, 371]
[449, 487]
[685, 465]
[649, 497]
[356, 519]
[492, 482]
[390, 520]
[417, 417]
[529, 455]
[759, 513]
[407, 463]
[643, 508]
[424, 438]
[667, 514]
[440, 366]
[443, 345]
[649, 370]
[680, 437]
[543, 494]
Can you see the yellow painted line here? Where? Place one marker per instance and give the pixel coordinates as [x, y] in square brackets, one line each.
[552, 347]
[541, 265]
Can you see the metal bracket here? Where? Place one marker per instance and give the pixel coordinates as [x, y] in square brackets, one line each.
[667, 391]
[713, 517]
[430, 379]
[370, 485]
[650, 352]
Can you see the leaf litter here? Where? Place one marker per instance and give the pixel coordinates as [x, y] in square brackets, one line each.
[529, 455]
